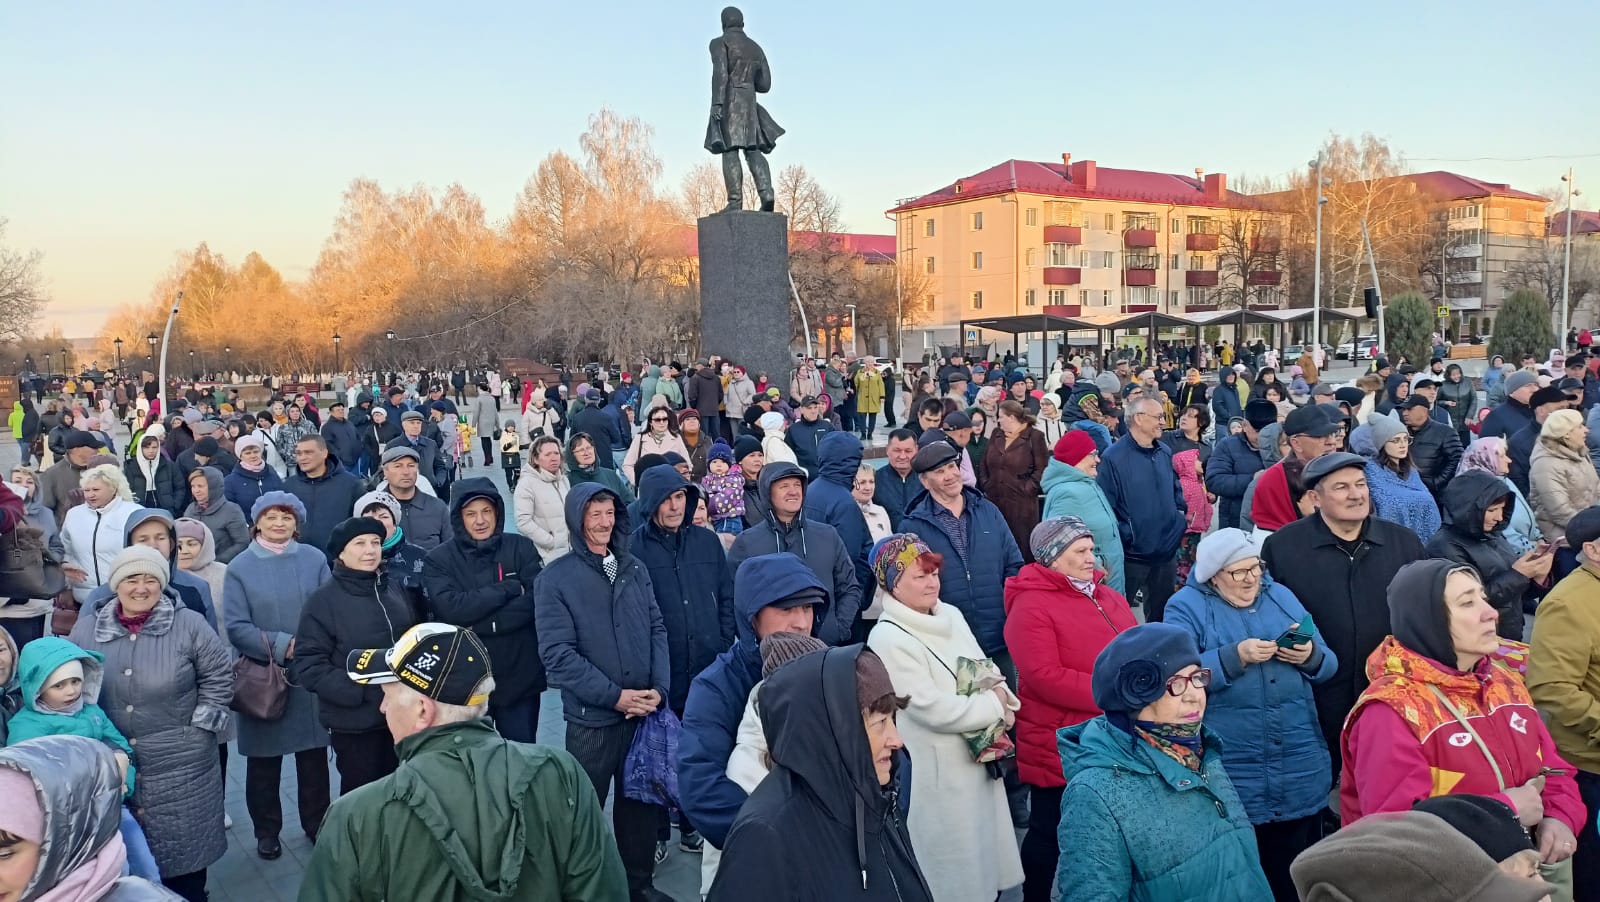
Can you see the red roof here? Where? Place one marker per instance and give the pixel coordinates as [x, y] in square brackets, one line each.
[1450, 186]
[1584, 222]
[1051, 179]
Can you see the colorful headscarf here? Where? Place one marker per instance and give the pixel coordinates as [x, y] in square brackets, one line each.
[894, 555]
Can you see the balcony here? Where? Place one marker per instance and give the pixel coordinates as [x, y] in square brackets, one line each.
[1139, 238]
[1200, 242]
[1468, 277]
[1466, 303]
[1135, 277]
[1062, 275]
[1138, 308]
[1063, 310]
[1063, 234]
[1200, 278]
[1266, 244]
[1266, 277]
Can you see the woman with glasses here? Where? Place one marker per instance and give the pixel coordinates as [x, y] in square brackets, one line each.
[1149, 811]
[1264, 653]
[1398, 494]
[658, 436]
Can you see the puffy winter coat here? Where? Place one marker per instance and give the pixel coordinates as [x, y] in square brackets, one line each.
[1562, 482]
[169, 694]
[828, 498]
[1435, 452]
[353, 610]
[92, 539]
[1265, 713]
[805, 438]
[1463, 540]
[816, 543]
[973, 582]
[1054, 633]
[894, 492]
[165, 490]
[1138, 826]
[705, 392]
[690, 576]
[599, 636]
[221, 516]
[489, 586]
[1070, 492]
[1464, 396]
[717, 697]
[539, 503]
[1144, 492]
[1506, 420]
[243, 487]
[328, 500]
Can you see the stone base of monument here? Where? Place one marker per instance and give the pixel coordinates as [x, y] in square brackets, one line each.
[745, 302]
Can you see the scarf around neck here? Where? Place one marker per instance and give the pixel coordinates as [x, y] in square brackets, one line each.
[257, 467]
[274, 547]
[132, 622]
[394, 541]
[1178, 741]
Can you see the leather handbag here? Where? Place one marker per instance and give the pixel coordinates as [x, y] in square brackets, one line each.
[260, 690]
[27, 568]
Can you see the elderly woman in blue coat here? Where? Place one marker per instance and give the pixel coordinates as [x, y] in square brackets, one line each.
[1149, 813]
[1264, 654]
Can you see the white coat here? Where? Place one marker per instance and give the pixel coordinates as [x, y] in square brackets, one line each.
[540, 506]
[92, 538]
[960, 822]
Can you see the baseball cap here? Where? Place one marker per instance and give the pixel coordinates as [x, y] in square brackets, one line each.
[446, 663]
[957, 419]
[1422, 379]
[1419, 401]
[79, 438]
[808, 400]
[1583, 527]
[1309, 420]
[593, 396]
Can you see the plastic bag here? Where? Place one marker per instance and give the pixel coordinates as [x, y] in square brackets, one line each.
[650, 773]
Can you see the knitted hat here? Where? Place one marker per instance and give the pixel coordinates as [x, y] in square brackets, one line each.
[1490, 823]
[269, 500]
[21, 813]
[137, 559]
[1222, 549]
[1384, 428]
[744, 446]
[872, 679]
[190, 528]
[720, 451]
[348, 530]
[384, 498]
[770, 422]
[1133, 669]
[779, 649]
[894, 555]
[1560, 424]
[249, 441]
[1260, 413]
[1411, 855]
[1519, 380]
[1052, 537]
[1073, 446]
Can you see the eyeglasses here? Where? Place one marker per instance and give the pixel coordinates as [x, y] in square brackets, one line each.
[1400, 440]
[1180, 684]
[1244, 574]
[659, 420]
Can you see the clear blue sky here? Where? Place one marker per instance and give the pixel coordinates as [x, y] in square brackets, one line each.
[133, 131]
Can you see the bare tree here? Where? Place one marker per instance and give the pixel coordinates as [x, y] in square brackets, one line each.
[809, 206]
[702, 192]
[22, 293]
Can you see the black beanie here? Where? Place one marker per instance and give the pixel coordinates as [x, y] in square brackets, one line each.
[206, 447]
[1417, 614]
[1490, 823]
[744, 446]
[346, 531]
[1260, 413]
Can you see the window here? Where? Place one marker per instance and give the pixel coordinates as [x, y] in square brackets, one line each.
[1200, 225]
[1467, 211]
[1058, 255]
[1176, 258]
[927, 265]
[1105, 297]
[1199, 295]
[1083, 259]
[977, 221]
[977, 259]
[1029, 257]
[927, 231]
[1173, 300]
[1463, 237]
[1028, 298]
[1111, 222]
[1058, 296]
[977, 300]
[1031, 216]
[1197, 261]
[1142, 294]
[1108, 259]
[1062, 214]
[1083, 297]
[1176, 228]
[1140, 221]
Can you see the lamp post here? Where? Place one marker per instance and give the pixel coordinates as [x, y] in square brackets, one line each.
[852, 309]
[118, 343]
[227, 359]
[66, 362]
[191, 363]
[152, 339]
[336, 352]
[48, 371]
[1316, 265]
[1566, 266]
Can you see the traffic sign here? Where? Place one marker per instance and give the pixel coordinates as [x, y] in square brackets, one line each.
[1443, 311]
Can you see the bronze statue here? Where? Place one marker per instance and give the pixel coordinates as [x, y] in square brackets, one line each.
[738, 73]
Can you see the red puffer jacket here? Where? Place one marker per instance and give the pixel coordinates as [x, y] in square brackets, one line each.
[1054, 633]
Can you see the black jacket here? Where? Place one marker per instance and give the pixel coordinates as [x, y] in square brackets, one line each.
[600, 426]
[1346, 593]
[1463, 540]
[343, 441]
[402, 563]
[432, 463]
[488, 586]
[1435, 452]
[328, 499]
[755, 510]
[352, 610]
[691, 578]
[819, 827]
[598, 637]
[894, 493]
[804, 438]
[171, 494]
[1519, 448]
[1506, 419]
[224, 460]
[427, 521]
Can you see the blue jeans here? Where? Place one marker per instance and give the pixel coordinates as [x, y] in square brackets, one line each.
[729, 525]
[141, 863]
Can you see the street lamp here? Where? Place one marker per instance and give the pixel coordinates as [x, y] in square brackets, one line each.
[118, 343]
[152, 339]
[1566, 266]
[1316, 265]
[227, 358]
[852, 309]
[47, 370]
[336, 352]
[66, 362]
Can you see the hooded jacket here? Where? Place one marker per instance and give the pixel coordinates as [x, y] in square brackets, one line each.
[1144, 492]
[1138, 826]
[816, 543]
[243, 487]
[39, 660]
[973, 582]
[828, 498]
[469, 815]
[328, 500]
[1229, 471]
[224, 518]
[1435, 452]
[164, 486]
[690, 576]
[1070, 492]
[599, 636]
[488, 586]
[1463, 540]
[353, 610]
[819, 827]
[80, 793]
[705, 392]
[717, 696]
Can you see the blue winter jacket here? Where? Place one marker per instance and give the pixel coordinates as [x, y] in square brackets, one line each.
[1144, 492]
[806, 440]
[1137, 826]
[243, 487]
[1070, 492]
[828, 498]
[1225, 403]
[598, 637]
[1272, 743]
[1233, 465]
[691, 578]
[973, 582]
[718, 695]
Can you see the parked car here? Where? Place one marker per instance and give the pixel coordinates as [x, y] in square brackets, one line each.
[1344, 350]
[1366, 349]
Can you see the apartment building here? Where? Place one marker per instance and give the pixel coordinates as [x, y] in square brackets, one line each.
[1081, 239]
[1492, 229]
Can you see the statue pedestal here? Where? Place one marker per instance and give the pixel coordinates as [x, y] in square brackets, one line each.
[745, 302]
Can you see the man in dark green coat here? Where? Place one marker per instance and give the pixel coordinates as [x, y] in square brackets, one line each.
[468, 815]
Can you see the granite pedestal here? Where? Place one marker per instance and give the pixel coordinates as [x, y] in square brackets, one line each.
[745, 301]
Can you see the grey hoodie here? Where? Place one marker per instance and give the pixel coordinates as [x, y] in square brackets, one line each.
[224, 518]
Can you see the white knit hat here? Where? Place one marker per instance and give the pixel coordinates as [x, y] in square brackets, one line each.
[1221, 548]
[137, 559]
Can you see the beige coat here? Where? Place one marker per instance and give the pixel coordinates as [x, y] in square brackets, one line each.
[1562, 481]
[540, 507]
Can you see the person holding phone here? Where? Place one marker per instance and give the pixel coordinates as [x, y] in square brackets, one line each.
[1477, 509]
[1265, 654]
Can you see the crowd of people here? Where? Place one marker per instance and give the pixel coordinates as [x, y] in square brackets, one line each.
[1246, 639]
